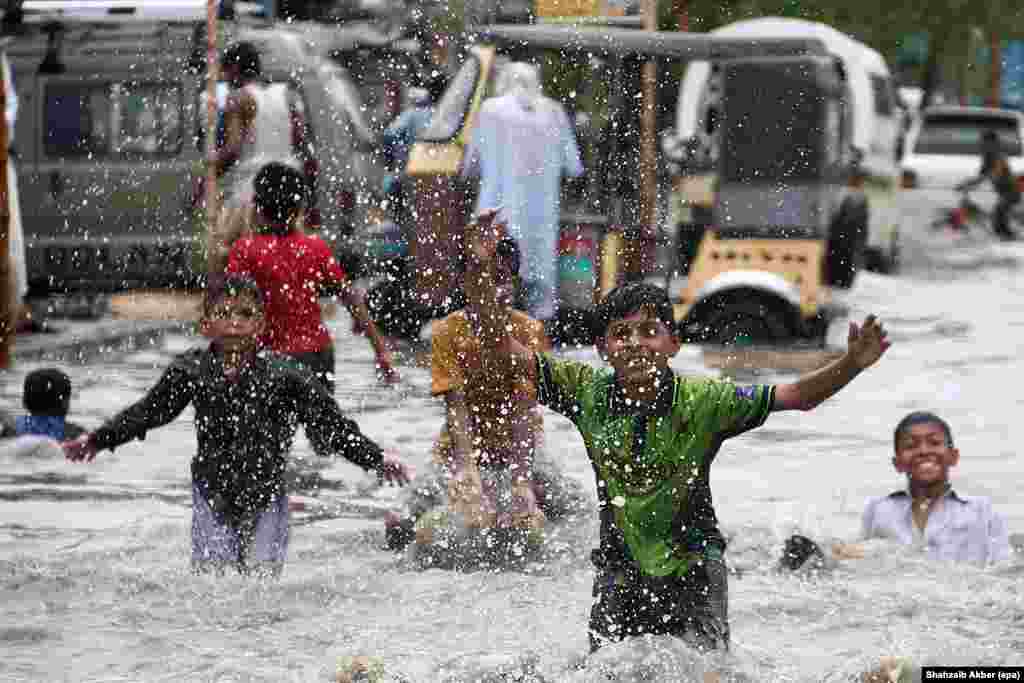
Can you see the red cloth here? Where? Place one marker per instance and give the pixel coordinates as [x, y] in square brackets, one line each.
[290, 271]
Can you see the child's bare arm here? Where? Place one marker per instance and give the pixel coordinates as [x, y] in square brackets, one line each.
[866, 344]
[457, 417]
[354, 299]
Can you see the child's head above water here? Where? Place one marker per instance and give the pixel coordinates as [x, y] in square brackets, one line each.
[507, 260]
[279, 193]
[634, 297]
[47, 391]
[923, 447]
[637, 332]
[233, 312]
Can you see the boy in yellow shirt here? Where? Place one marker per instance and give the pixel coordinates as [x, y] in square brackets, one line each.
[486, 473]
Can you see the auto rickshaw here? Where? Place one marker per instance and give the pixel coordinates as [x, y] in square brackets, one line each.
[758, 273]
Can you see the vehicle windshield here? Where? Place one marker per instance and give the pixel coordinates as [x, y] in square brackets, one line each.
[961, 134]
[454, 105]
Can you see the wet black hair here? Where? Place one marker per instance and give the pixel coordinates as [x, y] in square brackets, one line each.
[47, 391]
[627, 299]
[231, 286]
[508, 250]
[246, 57]
[278, 190]
[920, 417]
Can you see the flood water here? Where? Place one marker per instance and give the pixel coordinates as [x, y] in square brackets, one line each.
[95, 582]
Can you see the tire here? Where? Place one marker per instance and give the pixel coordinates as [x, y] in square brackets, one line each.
[743, 320]
[847, 242]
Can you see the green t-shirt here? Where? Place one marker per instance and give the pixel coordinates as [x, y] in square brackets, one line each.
[652, 468]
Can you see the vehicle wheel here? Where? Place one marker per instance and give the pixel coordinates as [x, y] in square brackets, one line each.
[847, 242]
[746, 322]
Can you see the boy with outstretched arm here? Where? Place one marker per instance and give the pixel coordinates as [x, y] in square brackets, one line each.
[293, 270]
[248, 403]
[651, 436]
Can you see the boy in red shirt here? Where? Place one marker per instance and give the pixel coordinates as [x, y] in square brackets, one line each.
[294, 270]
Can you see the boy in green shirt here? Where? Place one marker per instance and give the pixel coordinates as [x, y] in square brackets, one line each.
[651, 437]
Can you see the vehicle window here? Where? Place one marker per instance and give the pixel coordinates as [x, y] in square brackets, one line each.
[772, 139]
[962, 135]
[454, 105]
[126, 119]
[882, 91]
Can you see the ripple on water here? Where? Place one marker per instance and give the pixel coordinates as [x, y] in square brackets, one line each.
[24, 634]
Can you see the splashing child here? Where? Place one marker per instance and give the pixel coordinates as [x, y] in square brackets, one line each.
[651, 436]
[248, 403]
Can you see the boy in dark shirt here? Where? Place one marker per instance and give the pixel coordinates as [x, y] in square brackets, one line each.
[46, 399]
[248, 403]
[651, 437]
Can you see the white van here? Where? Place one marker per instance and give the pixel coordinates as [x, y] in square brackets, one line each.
[873, 120]
[111, 132]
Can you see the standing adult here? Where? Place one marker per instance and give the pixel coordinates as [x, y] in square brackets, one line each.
[261, 121]
[16, 240]
[521, 147]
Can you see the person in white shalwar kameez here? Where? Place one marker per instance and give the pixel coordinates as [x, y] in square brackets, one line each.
[521, 147]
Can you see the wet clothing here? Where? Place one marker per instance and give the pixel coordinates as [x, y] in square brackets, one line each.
[244, 426]
[520, 150]
[658, 525]
[261, 542]
[293, 271]
[321, 363]
[694, 606]
[960, 528]
[455, 349]
[52, 426]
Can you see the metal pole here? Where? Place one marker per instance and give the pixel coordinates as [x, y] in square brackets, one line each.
[7, 308]
[212, 73]
[995, 95]
[648, 151]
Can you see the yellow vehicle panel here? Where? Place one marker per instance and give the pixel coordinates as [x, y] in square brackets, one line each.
[800, 262]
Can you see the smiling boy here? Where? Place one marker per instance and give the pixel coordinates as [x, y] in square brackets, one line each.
[651, 436]
[929, 514]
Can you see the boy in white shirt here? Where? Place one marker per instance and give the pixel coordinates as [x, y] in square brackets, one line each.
[929, 514]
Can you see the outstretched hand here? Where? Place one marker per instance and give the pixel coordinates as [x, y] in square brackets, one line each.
[393, 471]
[79, 449]
[867, 342]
